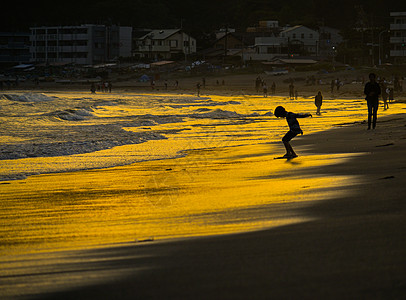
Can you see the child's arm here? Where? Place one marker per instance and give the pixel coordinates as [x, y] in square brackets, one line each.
[303, 115]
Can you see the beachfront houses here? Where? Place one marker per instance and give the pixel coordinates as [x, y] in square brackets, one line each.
[267, 48]
[84, 44]
[301, 40]
[398, 37]
[162, 44]
[288, 42]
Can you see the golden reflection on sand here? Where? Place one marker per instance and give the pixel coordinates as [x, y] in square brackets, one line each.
[212, 191]
[228, 182]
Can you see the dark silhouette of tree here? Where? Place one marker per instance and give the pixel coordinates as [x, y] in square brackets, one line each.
[196, 15]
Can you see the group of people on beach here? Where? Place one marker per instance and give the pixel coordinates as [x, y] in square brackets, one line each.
[261, 84]
[101, 87]
[372, 91]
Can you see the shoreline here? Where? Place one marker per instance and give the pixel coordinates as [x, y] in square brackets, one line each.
[73, 149]
[353, 247]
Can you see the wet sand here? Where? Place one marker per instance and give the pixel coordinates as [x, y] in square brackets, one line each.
[349, 245]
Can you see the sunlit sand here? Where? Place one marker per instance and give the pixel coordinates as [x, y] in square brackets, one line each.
[221, 178]
[87, 180]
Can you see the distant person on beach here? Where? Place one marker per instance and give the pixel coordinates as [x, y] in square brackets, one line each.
[265, 89]
[258, 82]
[338, 84]
[391, 98]
[318, 101]
[294, 128]
[93, 88]
[385, 96]
[372, 91]
[291, 91]
[198, 89]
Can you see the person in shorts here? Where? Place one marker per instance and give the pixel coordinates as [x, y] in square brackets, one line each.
[294, 128]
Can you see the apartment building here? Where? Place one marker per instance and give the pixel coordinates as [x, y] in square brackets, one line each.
[14, 47]
[398, 37]
[84, 44]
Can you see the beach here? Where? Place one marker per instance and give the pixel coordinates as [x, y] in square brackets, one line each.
[225, 220]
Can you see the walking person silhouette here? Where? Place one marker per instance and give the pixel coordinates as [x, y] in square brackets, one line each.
[372, 91]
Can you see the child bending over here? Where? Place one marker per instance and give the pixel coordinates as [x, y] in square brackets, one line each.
[294, 128]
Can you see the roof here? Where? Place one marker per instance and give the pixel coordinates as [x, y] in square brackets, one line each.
[160, 34]
[162, 63]
[297, 61]
[294, 28]
[291, 61]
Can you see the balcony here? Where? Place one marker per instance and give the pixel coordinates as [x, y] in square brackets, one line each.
[73, 49]
[397, 26]
[398, 53]
[74, 37]
[153, 49]
[397, 40]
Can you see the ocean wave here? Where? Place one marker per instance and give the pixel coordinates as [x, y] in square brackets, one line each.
[100, 138]
[221, 114]
[28, 97]
[78, 114]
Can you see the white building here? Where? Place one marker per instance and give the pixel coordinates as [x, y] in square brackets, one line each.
[165, 44]
[301, 40]
[290, 42]
[398, 37]
[84, 44]
[267, 48]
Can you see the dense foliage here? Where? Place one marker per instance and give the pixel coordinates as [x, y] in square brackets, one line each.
[203, 15]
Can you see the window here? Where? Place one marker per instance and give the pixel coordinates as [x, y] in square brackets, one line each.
[173, 43]
[311, 35]
[302, 35]
[272, 50]
[294, 35]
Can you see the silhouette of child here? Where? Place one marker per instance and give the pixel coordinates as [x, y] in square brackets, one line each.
[318, 101]
[294, 128]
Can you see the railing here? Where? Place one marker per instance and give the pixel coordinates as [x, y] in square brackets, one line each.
[153, 49]
[397, 40]
[398, 52]
[397, 26]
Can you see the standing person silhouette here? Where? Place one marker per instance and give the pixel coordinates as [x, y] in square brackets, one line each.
[372, 91]
[318, 101]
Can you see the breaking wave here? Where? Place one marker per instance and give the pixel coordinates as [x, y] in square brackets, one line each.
[28, 97]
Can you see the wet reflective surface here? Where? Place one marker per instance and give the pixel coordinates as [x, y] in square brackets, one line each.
[222, 176]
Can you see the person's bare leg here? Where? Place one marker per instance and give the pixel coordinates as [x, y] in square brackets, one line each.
[289, 150]
[292, 153]
[286, 144]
